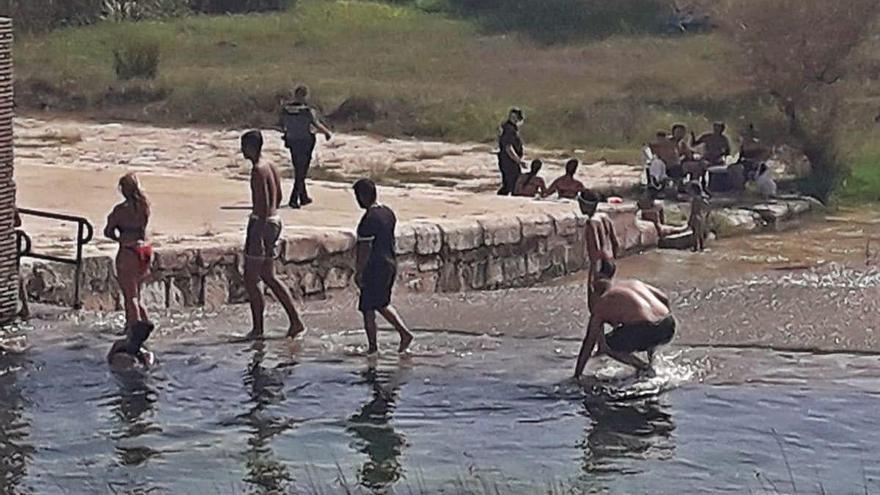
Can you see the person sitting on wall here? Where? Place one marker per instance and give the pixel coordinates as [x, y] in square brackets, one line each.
[663, 147]
[567, 187]
[531, 184]
[652, 211]
[716, 146]
[765, 182]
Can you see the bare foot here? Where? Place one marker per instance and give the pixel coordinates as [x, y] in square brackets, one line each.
[251, 336]
[297, 329]
[405, 341]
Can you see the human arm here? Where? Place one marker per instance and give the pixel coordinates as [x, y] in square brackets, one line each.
[511, 152]
[365, 236]
[612, 235]
[542, 187]
[554, 187]
[277, 182]
[594, 331]
[259, 199]
[110, 230]
[320, 126]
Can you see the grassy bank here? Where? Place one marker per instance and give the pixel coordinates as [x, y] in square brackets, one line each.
[421, 74]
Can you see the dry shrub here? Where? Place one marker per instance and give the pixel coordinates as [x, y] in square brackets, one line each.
[797, 51]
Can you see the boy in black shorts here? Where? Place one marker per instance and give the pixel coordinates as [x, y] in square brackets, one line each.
[376, 265]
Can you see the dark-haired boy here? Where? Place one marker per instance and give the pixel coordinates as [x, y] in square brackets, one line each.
[377, 265]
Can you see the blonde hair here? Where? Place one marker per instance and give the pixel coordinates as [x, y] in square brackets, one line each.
[131, 190]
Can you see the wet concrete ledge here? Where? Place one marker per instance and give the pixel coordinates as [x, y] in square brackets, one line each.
[474, 253]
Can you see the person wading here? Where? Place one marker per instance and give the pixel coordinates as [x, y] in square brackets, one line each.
[510, 152]
[261, 243]
[127, 225]
[640, 316]
[377, 265]
[299, 122]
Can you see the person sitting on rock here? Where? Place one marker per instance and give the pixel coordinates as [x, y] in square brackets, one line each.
[716, 146]
[663, 147]
[130, 351]
[764, 180]
[652, 211]
[531, 185]
[752, 151]
[692, 166]
[567, 187]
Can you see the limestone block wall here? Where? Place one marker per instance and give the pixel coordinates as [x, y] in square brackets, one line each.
[477, 253]
[8, 255]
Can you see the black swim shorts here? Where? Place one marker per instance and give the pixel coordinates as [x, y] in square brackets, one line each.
[378, 282]
[641, 337]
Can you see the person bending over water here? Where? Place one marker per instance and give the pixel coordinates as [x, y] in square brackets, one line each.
[261, 243]
[130, 351]
[377, 265]
[567, 187]
[641, 319]
[127, 225]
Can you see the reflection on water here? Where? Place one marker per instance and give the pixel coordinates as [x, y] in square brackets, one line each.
[265, 388]
[640, 429]
[133, 408]
[376, 436]
[480, 410]
[14, 449]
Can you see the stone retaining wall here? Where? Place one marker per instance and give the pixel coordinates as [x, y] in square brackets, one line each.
[479, 253]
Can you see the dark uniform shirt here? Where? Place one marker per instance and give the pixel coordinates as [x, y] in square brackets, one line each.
[509, 136]
[297, 120]
[377, 225]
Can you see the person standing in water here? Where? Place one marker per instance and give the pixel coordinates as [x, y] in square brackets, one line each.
[129, 351]
[640, 316]
[602, 242]
[261, 244]
[510, 152]
[127, 225]
[299, 122]
[377, 265]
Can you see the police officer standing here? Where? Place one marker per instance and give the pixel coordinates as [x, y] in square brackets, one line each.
[299, 121]
[510, 152]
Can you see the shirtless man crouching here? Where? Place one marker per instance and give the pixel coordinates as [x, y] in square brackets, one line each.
[261, 244]
[640, 317]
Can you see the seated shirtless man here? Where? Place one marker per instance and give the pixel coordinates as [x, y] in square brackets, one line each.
[567, 187]
[641, 319]
[130, 351]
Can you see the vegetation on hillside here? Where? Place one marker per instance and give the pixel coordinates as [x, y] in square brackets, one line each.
[399, 69]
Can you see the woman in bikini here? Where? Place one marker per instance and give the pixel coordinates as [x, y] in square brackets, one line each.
[127, 225]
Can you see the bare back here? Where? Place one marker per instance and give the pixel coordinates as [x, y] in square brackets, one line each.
[631, 301]
[265, 190]
[130, 223]
[602, 243]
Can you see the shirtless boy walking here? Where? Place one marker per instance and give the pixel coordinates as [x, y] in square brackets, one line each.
[263, 232]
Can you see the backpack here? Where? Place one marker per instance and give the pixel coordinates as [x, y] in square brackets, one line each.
[297, 120]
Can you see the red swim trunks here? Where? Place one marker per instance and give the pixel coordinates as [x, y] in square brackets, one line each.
[144, 253]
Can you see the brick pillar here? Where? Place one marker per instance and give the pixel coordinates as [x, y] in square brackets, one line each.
[8, 255]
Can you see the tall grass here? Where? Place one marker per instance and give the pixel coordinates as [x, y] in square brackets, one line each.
[426, 75]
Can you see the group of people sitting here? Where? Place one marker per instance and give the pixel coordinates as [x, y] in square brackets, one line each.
[673, 160]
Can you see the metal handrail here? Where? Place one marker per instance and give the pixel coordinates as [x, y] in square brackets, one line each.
[85, 234]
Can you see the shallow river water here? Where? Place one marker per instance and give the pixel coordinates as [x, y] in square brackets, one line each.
[487, 408]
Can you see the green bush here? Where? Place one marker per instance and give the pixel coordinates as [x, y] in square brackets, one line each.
[42, 15]
[239, 6]
[136, 59]
[552, 21]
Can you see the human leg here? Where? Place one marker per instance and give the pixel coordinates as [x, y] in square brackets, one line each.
[282, 293]
[252, 268]
[128, 284]
[370, 328]
[393, 317]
